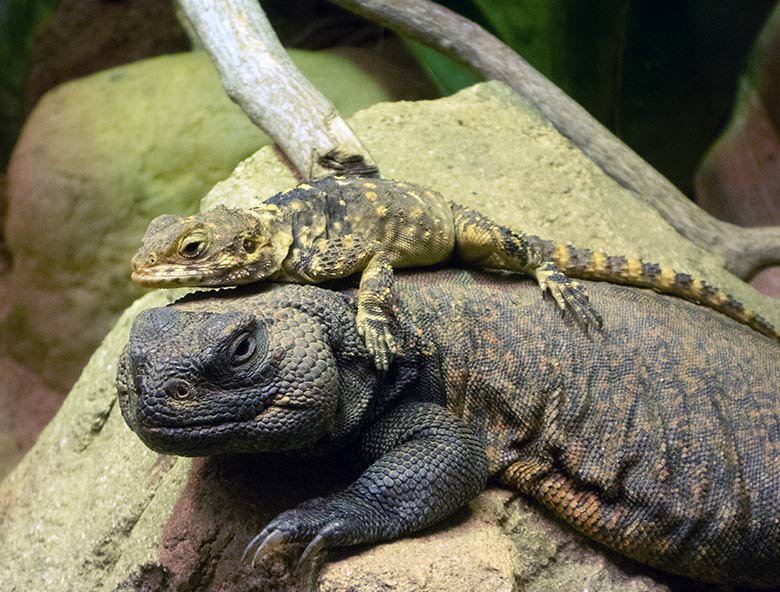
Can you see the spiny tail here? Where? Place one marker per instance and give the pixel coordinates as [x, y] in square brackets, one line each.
[632, 271]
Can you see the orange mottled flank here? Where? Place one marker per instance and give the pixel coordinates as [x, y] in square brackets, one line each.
[627, 437]
[587, 512]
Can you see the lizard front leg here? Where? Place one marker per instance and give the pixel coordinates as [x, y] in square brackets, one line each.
[425, 464]
[375, 310]
[329, 259]
[483, 243]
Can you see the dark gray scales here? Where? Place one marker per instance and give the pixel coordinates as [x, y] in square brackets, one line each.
[658, 436]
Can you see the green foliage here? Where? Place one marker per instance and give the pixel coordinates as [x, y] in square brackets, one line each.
[20, 20]
[531, 25]
[661, 75]
[448, 75]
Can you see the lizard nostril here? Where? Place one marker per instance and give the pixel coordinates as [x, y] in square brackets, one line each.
[178, 389]
[140, 261]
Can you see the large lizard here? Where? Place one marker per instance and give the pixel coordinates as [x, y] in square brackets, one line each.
[659, 437]
[337, 226]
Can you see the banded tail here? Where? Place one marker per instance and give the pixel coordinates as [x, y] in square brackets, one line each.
[632, 271]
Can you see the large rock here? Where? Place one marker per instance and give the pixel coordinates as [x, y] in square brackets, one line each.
[99, 157]
[90, 508]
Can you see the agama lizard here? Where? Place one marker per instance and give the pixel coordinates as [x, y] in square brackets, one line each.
[659, 437]
[337, 226]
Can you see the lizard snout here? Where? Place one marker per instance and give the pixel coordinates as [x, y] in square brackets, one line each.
[141, 261]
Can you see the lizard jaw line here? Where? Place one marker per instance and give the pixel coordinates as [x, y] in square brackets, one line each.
[171, 277]
[270, 400]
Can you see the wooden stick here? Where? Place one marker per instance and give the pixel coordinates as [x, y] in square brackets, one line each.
[259, 76]
[743, 250]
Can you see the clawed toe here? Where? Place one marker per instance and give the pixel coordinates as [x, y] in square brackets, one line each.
[318, 530]
[571, 297]
[583, 311]
[267, 539]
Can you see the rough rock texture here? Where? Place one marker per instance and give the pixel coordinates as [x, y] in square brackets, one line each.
[90, 508]
[99, 157]
[26, 404]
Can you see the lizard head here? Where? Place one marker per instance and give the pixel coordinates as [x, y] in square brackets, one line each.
[220, 247]
[268, 372]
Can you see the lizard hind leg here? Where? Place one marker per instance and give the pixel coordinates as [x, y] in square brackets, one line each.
[481, 242]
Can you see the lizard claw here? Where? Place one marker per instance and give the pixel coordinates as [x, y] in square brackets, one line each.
[577, 301]
[374, 327]
[308, 523]
[317, 544]
[570, 295]
[267, 539]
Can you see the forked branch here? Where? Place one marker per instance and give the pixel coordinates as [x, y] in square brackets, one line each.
[743, 250]
[258, 74]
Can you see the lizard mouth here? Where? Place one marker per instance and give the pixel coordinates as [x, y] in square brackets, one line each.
[216, 425]
[216, 437]
[170, 276]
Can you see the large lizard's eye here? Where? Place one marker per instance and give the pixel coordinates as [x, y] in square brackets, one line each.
[193, 245]
[242, 349]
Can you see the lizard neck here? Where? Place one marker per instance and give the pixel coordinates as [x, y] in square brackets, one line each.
[273, 230]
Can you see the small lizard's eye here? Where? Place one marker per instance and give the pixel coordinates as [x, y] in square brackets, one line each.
[250, 246]
[193, 245]
[242, 349]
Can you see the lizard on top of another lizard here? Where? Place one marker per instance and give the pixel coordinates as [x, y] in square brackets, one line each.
[336, 226]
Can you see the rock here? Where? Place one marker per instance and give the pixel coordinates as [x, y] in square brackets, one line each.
[27, 404]
[81, 38]
[99, 157]
[90, 508]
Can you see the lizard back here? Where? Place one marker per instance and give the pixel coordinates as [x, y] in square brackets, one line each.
[659, 436]
[411, 224]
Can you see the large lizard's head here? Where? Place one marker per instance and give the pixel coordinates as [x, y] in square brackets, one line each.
[280, 370]
[220, 247]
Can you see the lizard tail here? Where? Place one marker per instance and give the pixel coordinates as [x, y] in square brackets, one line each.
[596, 265]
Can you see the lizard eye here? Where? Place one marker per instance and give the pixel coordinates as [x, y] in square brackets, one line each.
[250, 246]
[242, 349]
[193, 244]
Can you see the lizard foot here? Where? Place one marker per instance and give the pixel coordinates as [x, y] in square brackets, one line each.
[315, 523]
[570, 295]
[373, 324]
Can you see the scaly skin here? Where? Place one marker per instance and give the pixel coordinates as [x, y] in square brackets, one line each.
[658, 437]
[338, 226]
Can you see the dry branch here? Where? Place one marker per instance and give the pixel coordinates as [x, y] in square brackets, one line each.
[743, 250]
[259, 76]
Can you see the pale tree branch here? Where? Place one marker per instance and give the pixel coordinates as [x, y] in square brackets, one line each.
[259, 76]
[743, 250]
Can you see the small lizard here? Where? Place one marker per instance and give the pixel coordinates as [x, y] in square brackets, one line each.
[337, 226]
[660, 439]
